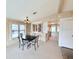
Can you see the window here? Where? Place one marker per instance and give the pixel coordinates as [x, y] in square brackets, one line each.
[22, 29]
[14, 30]
[17, 29]
[53, 28]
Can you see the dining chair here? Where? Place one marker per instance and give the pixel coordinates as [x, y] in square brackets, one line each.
[35, 42]
[22, 41]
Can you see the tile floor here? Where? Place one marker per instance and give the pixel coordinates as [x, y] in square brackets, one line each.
[46, 50]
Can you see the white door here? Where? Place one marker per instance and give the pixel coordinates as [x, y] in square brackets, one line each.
[66, 32]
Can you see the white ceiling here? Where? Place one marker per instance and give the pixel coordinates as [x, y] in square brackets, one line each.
[18, 9]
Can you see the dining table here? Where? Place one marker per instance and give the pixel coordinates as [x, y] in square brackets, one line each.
[31, 40]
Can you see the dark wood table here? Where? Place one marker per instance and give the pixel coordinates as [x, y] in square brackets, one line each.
[31, 40]
[30, 37]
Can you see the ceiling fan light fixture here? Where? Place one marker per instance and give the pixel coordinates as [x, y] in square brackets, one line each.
[27, 20]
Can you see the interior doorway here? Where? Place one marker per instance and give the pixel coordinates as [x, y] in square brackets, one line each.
[53, 31]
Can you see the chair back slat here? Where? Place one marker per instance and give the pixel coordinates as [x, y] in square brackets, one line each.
[20, 38]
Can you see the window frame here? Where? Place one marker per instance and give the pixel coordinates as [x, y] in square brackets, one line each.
[57, 28]
[22, 29]
[14, 30]
[17, 30]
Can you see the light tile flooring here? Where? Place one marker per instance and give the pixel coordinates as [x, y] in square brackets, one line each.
[46, 50]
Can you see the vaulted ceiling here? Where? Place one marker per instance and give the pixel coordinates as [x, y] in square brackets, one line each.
[19, 9]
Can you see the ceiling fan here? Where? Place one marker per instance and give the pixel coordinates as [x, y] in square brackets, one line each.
[26, 21]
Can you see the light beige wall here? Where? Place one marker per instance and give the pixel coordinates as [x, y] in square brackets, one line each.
[28, 28]
[68, 5]
[9, 40]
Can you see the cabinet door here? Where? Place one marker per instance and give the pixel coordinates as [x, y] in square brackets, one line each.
[66, 32]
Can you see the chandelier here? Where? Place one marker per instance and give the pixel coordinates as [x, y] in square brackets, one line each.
[26, 20]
